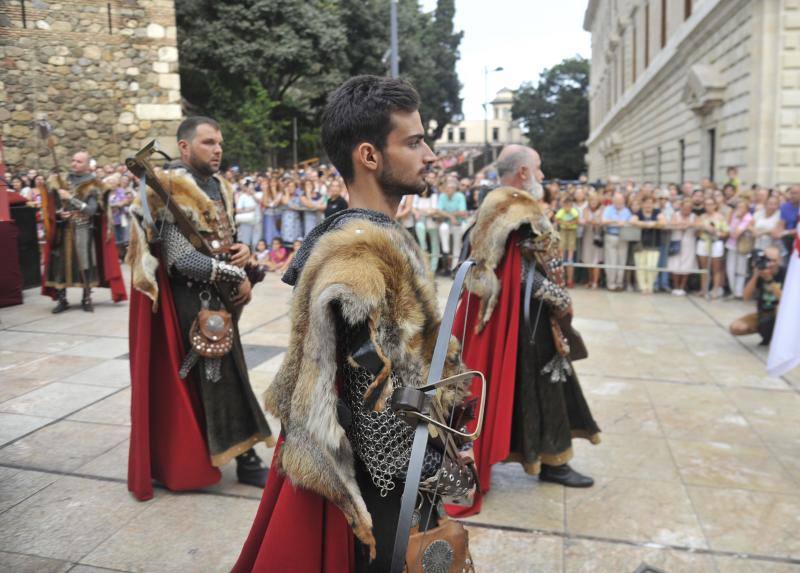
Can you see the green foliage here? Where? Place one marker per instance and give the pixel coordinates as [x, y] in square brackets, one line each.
[260, 63]
[556, 114]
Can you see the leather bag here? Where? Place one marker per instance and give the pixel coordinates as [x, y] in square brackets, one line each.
[432, 550]
[211, 335]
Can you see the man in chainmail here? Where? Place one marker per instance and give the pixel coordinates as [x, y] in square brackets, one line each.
[72, 254]
[173, 282]
[364, 322]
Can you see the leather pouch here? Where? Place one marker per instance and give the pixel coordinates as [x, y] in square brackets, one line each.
[441, 548]
[211, 335]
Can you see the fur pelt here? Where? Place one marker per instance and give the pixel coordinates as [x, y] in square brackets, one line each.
[192, 200]
[502, 212]
[366, 273]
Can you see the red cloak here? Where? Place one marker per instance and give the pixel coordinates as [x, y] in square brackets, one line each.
[493, 351]
[296, 530]
[167, 434]
[106, 254]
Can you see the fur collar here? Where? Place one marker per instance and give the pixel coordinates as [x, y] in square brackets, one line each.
[503, 211]
[374, 274]
[192, 200]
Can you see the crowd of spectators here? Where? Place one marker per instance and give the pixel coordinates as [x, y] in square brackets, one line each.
[667, 232]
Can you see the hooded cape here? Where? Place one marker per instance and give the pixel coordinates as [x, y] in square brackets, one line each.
[372, 272]
[167, 422]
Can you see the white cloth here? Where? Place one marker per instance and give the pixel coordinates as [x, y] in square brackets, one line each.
[763, 223]
[784, 350]
[425, 205]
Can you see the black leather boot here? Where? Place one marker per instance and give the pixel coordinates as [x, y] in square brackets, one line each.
[250, 469]
[62, 303]
[565, 476]
[86, 301]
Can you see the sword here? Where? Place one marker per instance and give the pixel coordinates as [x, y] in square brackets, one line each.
[418, 407]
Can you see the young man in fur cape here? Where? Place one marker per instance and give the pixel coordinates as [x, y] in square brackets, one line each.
[364, 320]
[79, 250]
[190, 414]
[535, 405]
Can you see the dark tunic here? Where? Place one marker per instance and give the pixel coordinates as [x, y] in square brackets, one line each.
[234, 420]
[73, 256]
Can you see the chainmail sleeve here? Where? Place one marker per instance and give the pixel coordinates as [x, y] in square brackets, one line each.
[88, 207]
[382, 440]
[184, 259]
[544, 289]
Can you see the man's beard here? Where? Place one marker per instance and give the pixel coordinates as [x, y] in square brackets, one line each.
[392, 186]
[203, 168]
[535, 189]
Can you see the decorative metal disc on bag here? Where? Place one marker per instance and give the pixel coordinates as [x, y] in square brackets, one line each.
[438, 557]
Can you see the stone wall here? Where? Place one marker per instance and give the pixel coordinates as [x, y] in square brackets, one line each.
[721, 69]
[103, 74]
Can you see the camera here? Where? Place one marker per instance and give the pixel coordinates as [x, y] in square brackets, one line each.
[760, 260]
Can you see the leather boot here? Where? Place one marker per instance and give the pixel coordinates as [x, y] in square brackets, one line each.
[250, 469]
[565, 476]
[86, 301]
[62, 303]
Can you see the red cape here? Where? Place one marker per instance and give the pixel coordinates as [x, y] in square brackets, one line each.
[108, 266]
[167, 433]
[296, 530]
[493, 351]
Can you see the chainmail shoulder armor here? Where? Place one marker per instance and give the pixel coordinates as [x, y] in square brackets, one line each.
[183, 258]
[544, 289]
[382, 440]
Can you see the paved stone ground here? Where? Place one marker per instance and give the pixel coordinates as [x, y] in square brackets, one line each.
[698, 470]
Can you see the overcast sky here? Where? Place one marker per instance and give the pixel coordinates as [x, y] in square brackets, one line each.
[522, 36]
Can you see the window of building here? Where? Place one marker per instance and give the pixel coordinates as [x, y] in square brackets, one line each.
[646, 35]
[712, 152]
[450, 135]
[495, 134]
[462, 134]
[687, 9]
[682, 161]
[663, 23]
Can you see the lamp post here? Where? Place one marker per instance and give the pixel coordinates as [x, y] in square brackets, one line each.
[486, 72]
[395, 67]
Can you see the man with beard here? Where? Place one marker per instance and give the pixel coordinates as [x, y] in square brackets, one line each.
[364, 321]
[519, 333]
[192, 411]
[79, 251]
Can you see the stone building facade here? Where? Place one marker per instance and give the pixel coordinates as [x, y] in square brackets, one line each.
[682, 89]
[103, 74]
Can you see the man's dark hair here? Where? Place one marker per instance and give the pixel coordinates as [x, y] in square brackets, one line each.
[188, 126]
[360, 111]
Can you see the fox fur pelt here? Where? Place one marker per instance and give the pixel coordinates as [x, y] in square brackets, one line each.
[503, 211]
[364, 272]
[192, 200]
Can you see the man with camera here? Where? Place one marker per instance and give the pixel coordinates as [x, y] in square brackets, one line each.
[765, 285]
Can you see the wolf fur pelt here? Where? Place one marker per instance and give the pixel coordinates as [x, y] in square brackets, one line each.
[194, 203]
[366, 273]
[503, 211]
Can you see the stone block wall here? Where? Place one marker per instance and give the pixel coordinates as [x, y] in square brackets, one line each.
[789, 139]
[103, 74]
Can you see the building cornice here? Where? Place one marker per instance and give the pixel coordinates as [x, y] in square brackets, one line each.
[679, 45]
[588, 16]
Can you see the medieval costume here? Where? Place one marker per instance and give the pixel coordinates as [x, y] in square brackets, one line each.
[190, 414]
[79, 251]
[364, 321]
[535, 405]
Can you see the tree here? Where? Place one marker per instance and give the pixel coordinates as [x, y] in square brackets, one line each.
[275, 60]
[556, 116]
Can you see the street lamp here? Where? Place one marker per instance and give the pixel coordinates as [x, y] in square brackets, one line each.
[486, 72]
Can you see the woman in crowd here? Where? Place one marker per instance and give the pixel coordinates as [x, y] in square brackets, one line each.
[336, 202]
[713, 229]
[766, 224]
[649, 220]
[682, 259]
[738, 247]
[270, 202]
[424, 209]
[314, 204]
[405, 213]
[246, 214]
[292, 218]
[592, 240]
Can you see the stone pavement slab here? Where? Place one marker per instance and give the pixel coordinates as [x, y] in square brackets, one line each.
[698, 470]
